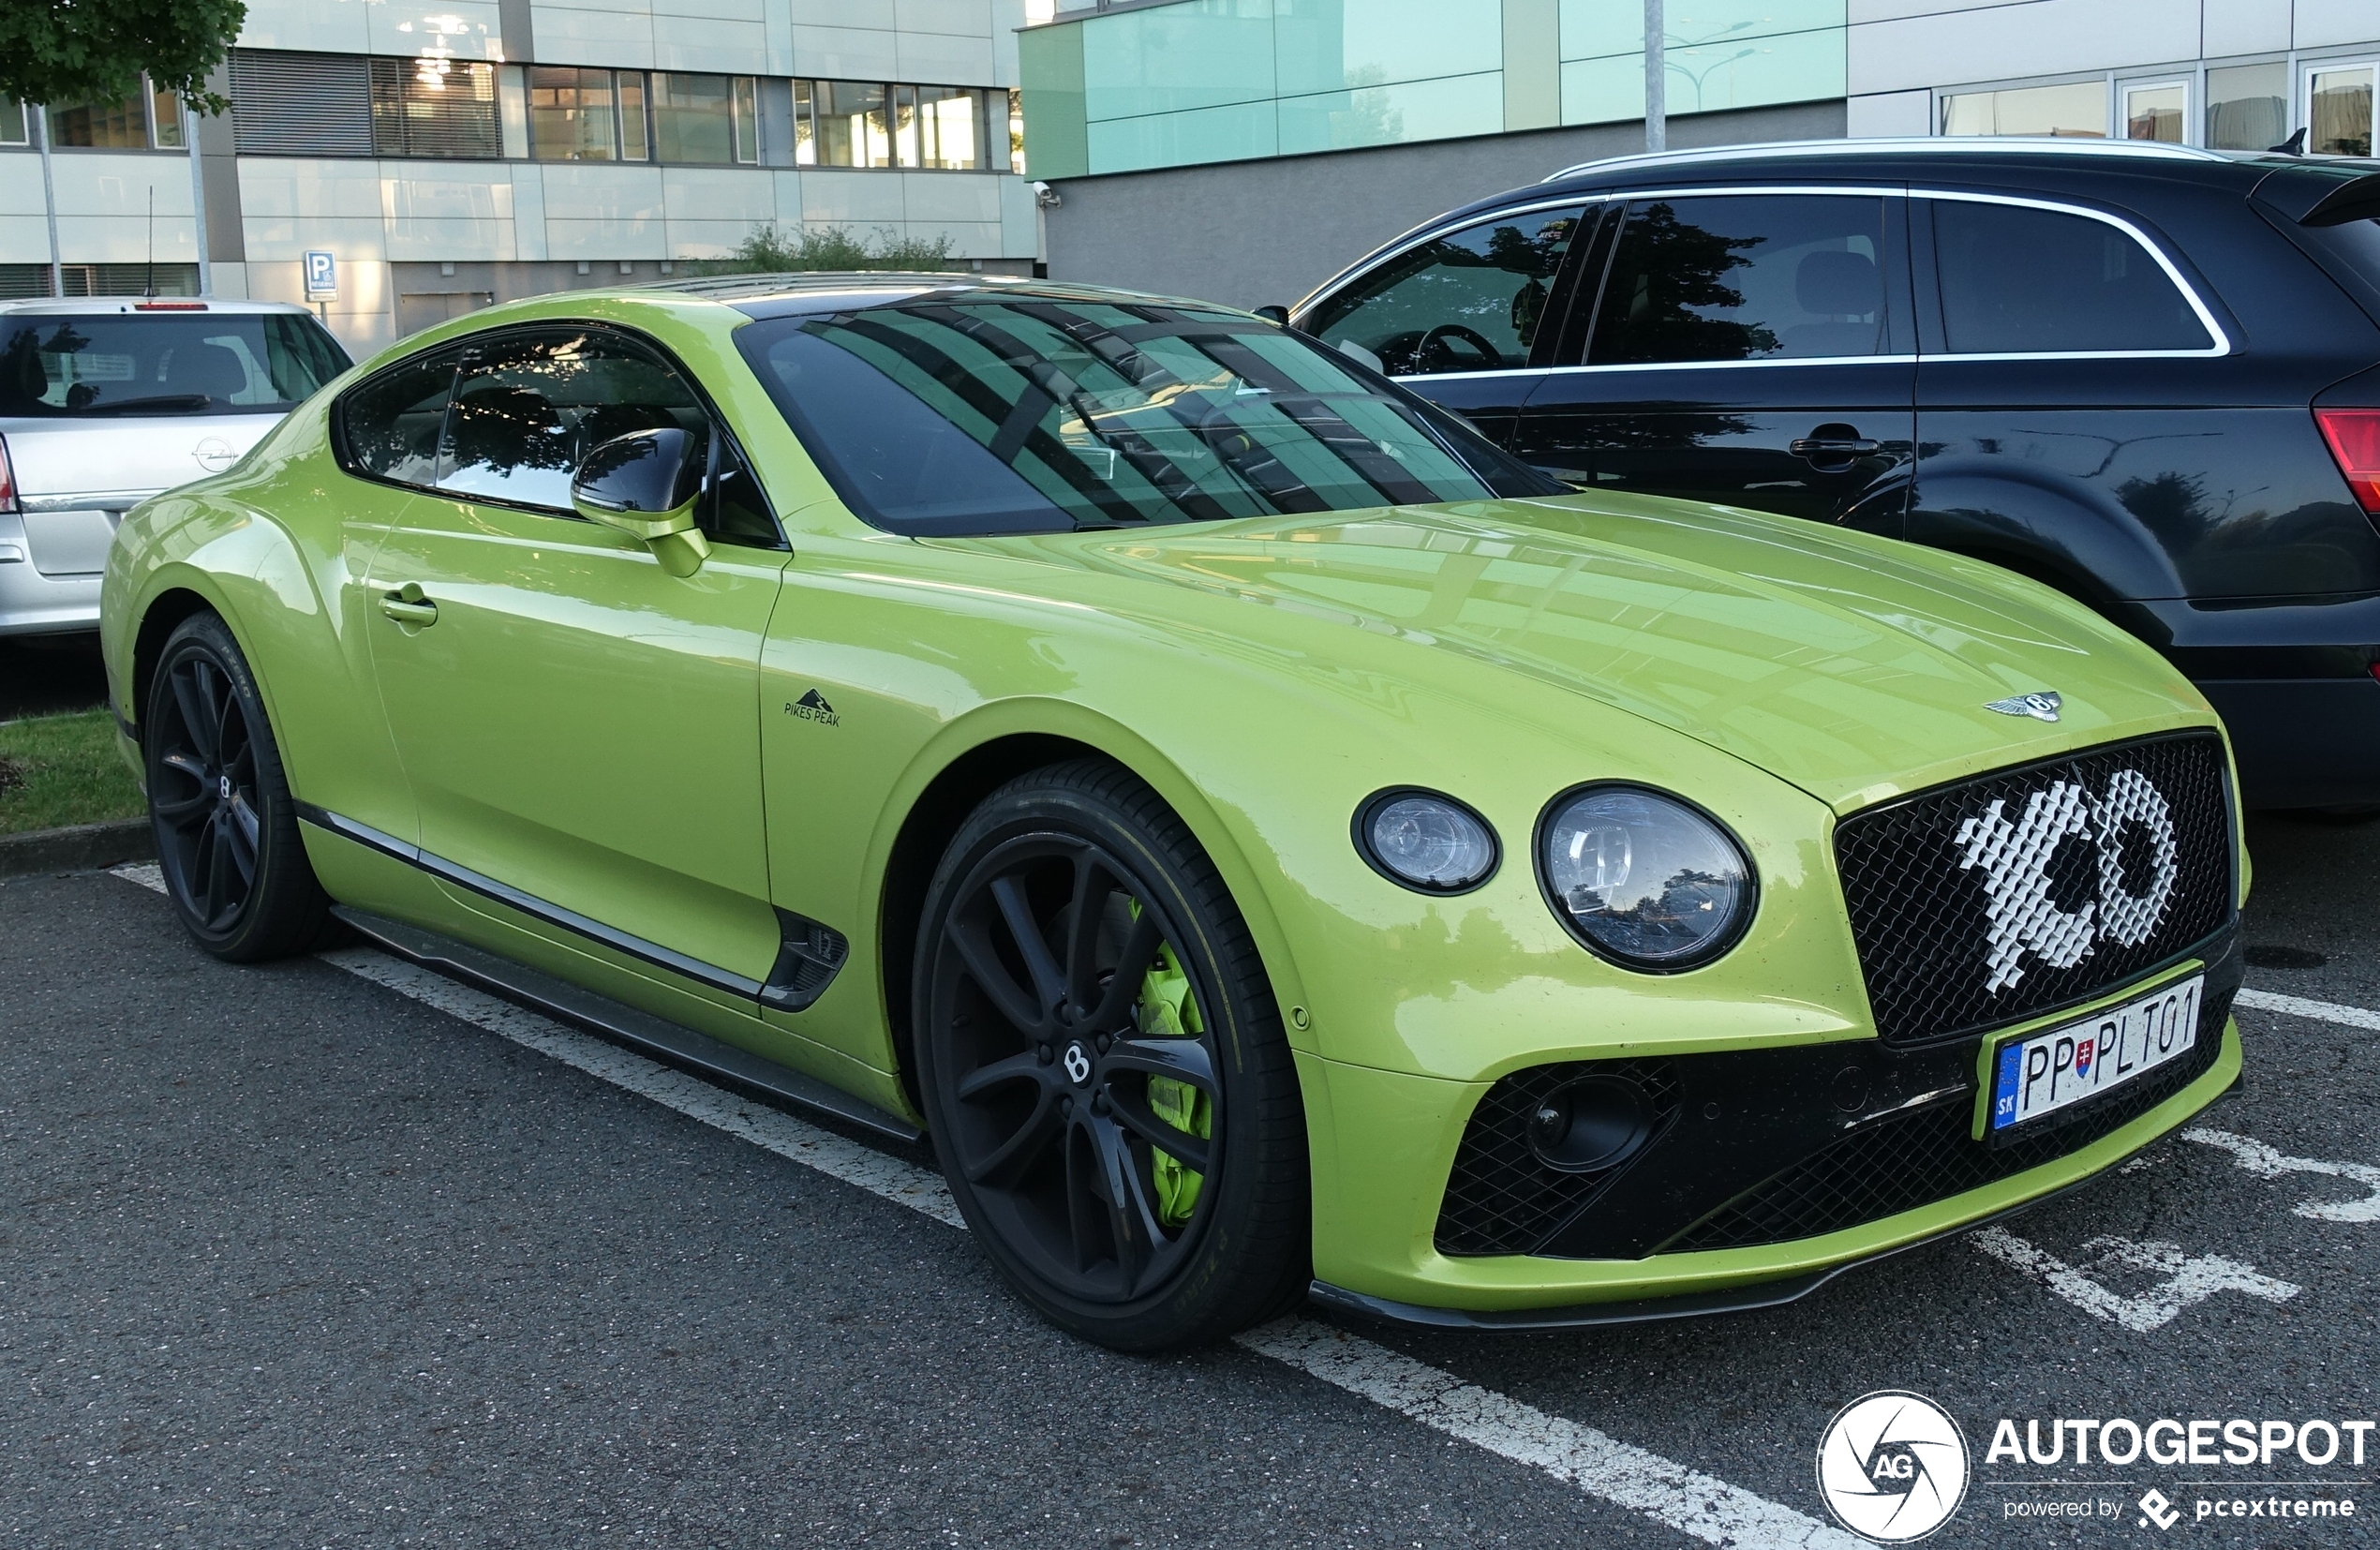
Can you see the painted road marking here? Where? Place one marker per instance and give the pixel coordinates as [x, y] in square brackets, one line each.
[1687, 1501]
[2322, 1011]
[2188, 1279]
[2267, 1163]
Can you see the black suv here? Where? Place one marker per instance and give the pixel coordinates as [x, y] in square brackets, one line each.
[2145, 375]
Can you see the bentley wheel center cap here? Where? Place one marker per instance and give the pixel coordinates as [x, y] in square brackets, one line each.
[1078, 1063]
[223, 786]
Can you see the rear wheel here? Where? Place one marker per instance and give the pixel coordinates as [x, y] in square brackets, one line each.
[1111, 1093]
[225, 825]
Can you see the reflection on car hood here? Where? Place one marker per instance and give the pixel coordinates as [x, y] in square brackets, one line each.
[1856, 668]
[126, 452]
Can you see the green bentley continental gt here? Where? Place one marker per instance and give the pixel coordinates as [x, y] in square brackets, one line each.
[1275, 843]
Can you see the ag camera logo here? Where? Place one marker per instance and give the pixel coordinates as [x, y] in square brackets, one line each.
[1891, 1467]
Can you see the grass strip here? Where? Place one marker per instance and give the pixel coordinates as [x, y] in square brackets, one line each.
[61, 769]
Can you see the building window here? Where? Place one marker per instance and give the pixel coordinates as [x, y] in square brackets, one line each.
[2247, 106]
[2076, 110]
[14, 124]
[1017, 132]
[862, 123]
[121, 125]
[844, 122]
[165, 119]
[705, 118]
[2339, 110]
[2156, 111]
[430, 107]
[586, 114]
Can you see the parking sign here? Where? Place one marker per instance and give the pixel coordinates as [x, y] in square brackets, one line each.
[321, 276]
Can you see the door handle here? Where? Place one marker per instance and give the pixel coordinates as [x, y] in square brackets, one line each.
[1829, 449]
[407, 606]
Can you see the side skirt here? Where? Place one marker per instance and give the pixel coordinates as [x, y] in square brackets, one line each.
[686, 1048]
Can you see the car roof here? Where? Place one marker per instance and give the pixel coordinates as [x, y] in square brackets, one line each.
[1950, 149]
[85, 307]
[788, 295]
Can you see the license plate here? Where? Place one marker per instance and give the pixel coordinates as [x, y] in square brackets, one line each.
[2045, 1072]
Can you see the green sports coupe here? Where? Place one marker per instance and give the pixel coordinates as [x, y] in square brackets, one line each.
[1276, 844]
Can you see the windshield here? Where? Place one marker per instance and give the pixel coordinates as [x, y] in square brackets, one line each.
[2350, 252]
[1010, 414]
[142, 363]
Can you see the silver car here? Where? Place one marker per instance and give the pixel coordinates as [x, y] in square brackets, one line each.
[104, 403]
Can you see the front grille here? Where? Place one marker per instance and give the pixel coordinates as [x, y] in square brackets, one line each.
[1998, 899]
[1499, 1199]
[1909, 1160]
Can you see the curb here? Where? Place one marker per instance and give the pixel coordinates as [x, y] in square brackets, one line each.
[78, 848]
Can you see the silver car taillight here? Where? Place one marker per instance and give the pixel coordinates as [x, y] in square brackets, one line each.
[7, 478]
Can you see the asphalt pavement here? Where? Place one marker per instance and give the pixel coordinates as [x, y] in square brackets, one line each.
[292, 1257]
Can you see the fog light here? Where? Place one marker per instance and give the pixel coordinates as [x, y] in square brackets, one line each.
[1590, 1125]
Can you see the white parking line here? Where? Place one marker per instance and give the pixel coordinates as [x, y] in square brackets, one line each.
[1693, 1503]
[2322, 1011]
[2267, 1163]
[2188, 1279]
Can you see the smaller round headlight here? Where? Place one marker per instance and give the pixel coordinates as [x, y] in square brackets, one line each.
[1428, 842]
[1643, 878]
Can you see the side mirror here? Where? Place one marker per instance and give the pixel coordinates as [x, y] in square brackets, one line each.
[646, 484]
[1274, 313]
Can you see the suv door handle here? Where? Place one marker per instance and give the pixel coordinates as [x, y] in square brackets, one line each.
[1830, 449]
[407, 606]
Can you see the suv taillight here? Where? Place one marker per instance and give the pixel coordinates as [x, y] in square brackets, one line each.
[2354, 434]
[7, 478]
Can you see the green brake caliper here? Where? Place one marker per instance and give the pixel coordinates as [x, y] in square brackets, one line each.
[1168, 1010]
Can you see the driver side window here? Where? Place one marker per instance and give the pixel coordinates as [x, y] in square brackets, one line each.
[1467, 301]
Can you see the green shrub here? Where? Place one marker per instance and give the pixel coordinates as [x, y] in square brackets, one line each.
[776, 250]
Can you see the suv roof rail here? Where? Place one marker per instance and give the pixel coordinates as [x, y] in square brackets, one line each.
[1956, 144]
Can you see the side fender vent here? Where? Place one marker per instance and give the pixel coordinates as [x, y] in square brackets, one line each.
[806, 965]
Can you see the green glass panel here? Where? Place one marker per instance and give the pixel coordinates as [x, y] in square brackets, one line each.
[1332, 45]
[1592, 29]
[1051, 61]
[1170, 58]
[1796, 68]
[1235, 133]
[1389, 115]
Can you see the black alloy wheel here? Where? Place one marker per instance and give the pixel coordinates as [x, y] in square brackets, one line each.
[226, 827]
[1108, 1088]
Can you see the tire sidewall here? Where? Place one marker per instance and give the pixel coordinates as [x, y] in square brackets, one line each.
[1235, 1018]
[206, 634]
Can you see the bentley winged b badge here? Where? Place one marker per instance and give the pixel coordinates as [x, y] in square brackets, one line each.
[2040, 705]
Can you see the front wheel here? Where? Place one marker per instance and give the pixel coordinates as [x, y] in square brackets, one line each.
[1103, 1065]
[225, 825]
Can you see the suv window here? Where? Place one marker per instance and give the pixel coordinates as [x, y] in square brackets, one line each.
[86, 364]
[1745, 278]
[389, 425]
[1468, 301]
[2019, 280]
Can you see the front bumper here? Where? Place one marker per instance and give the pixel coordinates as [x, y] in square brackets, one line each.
[1669, 1236]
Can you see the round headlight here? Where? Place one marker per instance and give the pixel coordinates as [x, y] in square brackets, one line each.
[1643, 878]
[1428, 842]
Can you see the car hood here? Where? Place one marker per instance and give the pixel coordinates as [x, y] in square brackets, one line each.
[137, 454]
[1857, 668]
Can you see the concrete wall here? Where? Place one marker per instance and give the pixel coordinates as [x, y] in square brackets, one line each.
[1251, 232]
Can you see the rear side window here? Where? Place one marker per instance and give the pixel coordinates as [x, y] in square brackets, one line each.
[92, 366]
[389, 426]
[1469, 301]
[1745, 278]
[2019, 280]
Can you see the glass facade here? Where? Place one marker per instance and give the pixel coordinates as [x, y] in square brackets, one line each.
[1208, 81]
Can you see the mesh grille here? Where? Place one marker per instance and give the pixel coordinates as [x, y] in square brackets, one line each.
[1500, 1199]
[1915, 1159]
[2003, 898]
